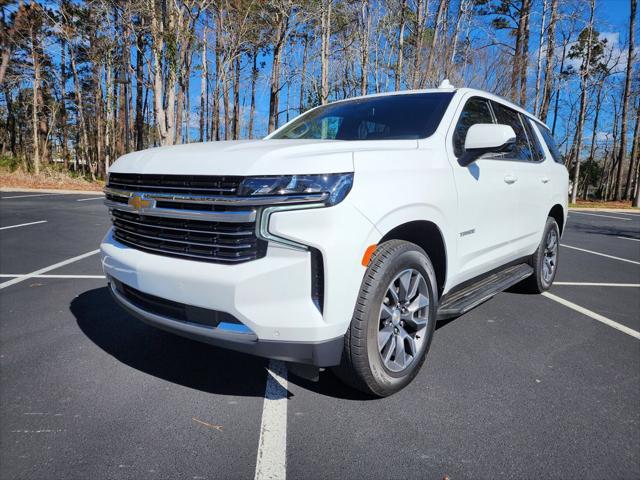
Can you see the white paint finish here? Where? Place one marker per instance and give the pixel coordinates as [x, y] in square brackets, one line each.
[251, 157]
[632, 239]
[593, 315]
[591, 284]
[46, 269]
[9, 275]
[271, 461]
[488, 135]
[87, 199]
[599, 215]
[23, 225]
[25, 196]
[600, 254]
[395, 182]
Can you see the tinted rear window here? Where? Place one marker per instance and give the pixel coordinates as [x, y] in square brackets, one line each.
[551, 143]
[405, 116]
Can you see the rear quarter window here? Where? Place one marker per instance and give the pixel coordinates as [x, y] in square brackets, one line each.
[551, 143]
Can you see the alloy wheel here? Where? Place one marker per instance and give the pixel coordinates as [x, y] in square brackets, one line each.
[404, 315]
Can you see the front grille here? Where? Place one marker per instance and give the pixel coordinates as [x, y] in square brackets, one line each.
[213, 241]
[197, 184]
[218, 233]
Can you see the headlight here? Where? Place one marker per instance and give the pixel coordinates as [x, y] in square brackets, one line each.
[327, 188]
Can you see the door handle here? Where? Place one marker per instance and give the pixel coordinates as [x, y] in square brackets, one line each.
[510, 179]
[545, 180]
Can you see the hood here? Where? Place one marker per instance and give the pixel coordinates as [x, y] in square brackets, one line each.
[253, 157]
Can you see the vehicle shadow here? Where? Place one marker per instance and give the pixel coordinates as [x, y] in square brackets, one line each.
[169, 357]
[180, 360]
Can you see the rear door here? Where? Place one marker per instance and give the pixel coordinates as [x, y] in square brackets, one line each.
[529, 169]
[487, 199]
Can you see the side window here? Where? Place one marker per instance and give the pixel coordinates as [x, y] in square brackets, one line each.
[534, 141]
[476, 110]
[551, 143]
[522, 149]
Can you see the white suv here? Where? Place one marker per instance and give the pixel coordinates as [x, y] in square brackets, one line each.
[341, 238]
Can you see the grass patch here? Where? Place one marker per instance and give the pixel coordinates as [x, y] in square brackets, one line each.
[601, 204]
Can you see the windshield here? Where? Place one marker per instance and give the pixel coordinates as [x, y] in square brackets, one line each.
[406, 116]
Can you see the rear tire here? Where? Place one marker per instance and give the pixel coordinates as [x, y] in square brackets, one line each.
[393, 321]
[544, 261]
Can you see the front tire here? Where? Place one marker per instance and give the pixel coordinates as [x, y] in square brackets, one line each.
[545, 260]
[393, 321]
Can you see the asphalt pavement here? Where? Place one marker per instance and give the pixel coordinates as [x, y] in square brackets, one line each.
[524, 386]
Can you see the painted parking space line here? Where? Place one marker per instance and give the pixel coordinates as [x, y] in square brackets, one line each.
[593, 315]
[571, 212]
[25, 196]
[12, 275]
[594, 284]
[629, 238]
[23, 225]
[87, 199]
[13, 281]
[271, 461]
[600, 254]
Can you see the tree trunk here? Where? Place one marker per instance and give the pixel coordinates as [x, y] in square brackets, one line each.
[417, 57]
[524, 52]
[139, 88]
[565, 43]
[325, 22]
[634, 156]
[236, 98]
[204, 81]
[274, 84]
[539, 61]
[548, 69]
[434, 41]
[625, 100]
[254, 79]
[364, 45]
[583, 107]
[35, 107]
[303, 76]
[397, 82]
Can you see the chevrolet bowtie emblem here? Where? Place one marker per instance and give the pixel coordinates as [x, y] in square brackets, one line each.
[139, 202]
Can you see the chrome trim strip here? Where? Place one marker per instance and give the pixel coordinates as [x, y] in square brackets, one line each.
[221, 200]
[209, 232]
[180, 254]
[262, 225]
[151, 187]
[185, 242]
[231, 216]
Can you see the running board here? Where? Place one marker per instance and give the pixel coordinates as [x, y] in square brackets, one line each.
[457, 303]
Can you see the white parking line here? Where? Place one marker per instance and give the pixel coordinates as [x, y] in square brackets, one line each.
[87, 199]
[8, 283]
[11, 275]
[601, 254]
[271, 462]
[599, 215]
[23, 225]
[629, 238]
[594, 315]
[589, 284]
[25, 196]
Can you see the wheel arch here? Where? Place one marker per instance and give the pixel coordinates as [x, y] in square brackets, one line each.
[557, 213]
[428, 236]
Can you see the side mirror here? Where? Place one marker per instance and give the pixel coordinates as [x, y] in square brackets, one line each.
[486, 138]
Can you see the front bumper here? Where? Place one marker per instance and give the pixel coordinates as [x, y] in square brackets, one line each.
[271, 296]
[321, 354]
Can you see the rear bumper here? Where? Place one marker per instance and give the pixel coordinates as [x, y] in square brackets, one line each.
[320, 354]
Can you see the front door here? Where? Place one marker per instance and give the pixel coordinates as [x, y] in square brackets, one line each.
[488, 198]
